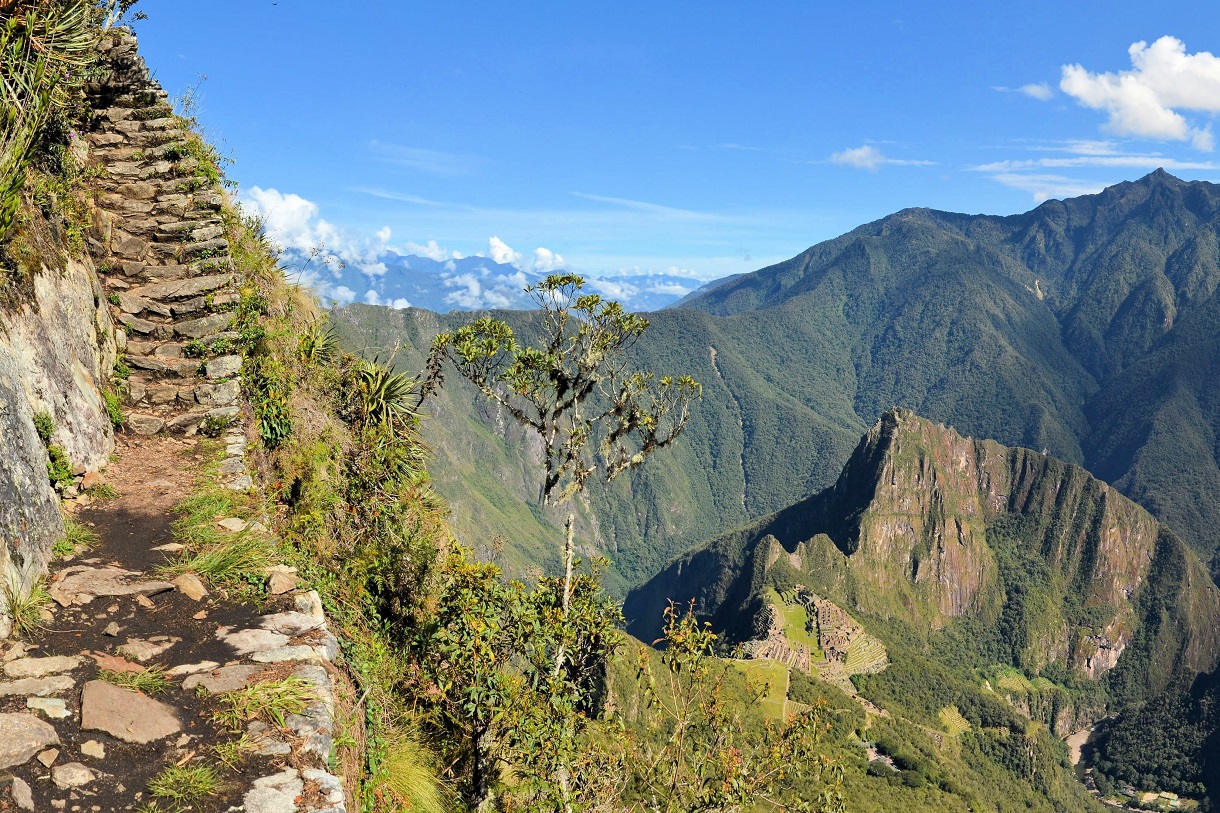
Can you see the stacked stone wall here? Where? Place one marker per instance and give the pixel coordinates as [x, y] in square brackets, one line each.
[159, 238]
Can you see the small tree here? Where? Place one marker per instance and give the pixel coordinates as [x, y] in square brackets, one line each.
[574, 390]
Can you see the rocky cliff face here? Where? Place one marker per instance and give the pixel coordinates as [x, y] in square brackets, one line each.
[926, 527]
[56, 356]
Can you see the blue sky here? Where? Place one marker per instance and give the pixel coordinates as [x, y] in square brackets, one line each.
[701, 139]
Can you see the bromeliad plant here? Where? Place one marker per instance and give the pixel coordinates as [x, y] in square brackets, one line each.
[45, 50]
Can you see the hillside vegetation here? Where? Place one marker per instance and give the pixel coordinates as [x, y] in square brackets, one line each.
[1086, 328]
[990, 574]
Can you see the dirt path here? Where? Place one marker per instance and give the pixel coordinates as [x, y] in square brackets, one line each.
[74, 742]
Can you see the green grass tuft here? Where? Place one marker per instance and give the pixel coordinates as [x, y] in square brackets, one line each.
[185, 785]
[243, 558]
[25, 609]
[151, 681]
[271, 701]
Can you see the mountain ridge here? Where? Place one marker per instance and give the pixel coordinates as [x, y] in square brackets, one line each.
[1008, 328]
[931, 529]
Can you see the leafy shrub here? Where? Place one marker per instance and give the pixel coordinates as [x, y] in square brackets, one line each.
[59, 468]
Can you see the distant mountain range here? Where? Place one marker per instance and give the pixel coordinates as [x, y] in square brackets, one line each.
[468, 283]
[1088, 327]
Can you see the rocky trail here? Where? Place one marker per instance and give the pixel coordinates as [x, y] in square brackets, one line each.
[123, 686]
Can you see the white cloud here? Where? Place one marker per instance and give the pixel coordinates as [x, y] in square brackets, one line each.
[430, 250]
[1145, 101]
[546, 261]
[1045, 187]
[470, 293]
[870, 158]
[500, 252]
[400, 304]
[374, 269]
[291, 220]
[1123, 160]
[671, 288]
[617, 290]
[1037, 90]
[434, 162]
[383, 234]
[343, 295]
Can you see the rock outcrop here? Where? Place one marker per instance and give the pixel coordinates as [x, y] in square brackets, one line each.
[925, 527]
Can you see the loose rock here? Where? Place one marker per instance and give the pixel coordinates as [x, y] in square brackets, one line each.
[48, 757]
[23, 797]
[37, 667]
[71, 775]
[53, 707]
[22, 736]
[94, 749]
[189, 585]
[128, 715]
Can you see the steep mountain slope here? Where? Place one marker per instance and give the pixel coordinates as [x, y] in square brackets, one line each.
[1086, 327]
[925, 527]
[1128, 281]
[1005, 571]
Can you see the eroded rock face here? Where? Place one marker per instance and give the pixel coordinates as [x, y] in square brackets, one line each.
[55, 356]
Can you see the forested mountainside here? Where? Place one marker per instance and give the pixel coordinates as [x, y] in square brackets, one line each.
[1087, 327]
[1012, 570]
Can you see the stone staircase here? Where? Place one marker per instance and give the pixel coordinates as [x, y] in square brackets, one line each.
[158, 238]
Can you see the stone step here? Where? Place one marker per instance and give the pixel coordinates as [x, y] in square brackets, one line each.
[135, 305]
[183, 289]
[210, 247]
[196, 231]
[164, 365]
[204, 326]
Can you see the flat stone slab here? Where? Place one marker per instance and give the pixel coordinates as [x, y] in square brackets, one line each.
[225, 679]
[80, 585]
[38, 687]
[275, 794]
[183, 288]
[53, 707]
[71, 775]
[142, 650]
[247, 642]
[198, 328]
[288, 653]
[38, 667]
[22, 736]
[290, 623]
[127, 715]
[192, 668]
